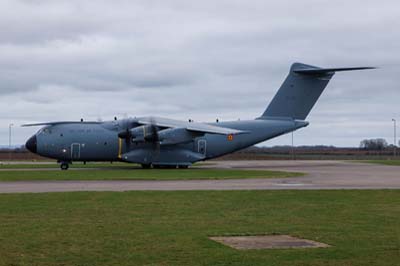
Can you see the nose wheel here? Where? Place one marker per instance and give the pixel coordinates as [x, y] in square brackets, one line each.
[64, 166]
[146, 166]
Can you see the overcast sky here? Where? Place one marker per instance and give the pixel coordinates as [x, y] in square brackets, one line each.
[63, 60]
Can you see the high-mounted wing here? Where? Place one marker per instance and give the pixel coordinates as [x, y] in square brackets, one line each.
[190, 126]
[58, 123]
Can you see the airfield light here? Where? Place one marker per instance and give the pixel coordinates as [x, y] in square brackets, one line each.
[394, 137]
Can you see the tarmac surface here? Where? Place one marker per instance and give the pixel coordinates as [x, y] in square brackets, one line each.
[319, 175]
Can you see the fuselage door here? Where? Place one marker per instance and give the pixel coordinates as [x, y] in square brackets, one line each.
[202, 146]
[75, 151]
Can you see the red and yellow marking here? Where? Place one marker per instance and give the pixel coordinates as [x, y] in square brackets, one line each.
[230, 137]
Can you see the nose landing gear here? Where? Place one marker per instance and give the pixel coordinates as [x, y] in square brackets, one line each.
[146, 166]
[64, 165]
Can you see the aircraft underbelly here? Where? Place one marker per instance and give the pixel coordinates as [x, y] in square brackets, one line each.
[163, 156]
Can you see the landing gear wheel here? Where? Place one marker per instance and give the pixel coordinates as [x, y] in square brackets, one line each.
[146, 165]
[64, 166]
[183, 166]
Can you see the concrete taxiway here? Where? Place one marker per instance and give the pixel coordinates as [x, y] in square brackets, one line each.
[319, 175]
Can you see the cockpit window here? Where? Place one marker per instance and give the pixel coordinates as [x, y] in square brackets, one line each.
[45, 130]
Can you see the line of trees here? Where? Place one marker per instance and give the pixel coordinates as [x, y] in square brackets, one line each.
[374, 144]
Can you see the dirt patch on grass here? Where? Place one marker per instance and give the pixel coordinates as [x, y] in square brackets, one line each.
[267, 242]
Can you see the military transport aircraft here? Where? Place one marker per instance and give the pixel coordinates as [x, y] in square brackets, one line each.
[161, 142]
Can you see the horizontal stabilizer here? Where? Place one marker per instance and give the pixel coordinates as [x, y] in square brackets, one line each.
[318, 71]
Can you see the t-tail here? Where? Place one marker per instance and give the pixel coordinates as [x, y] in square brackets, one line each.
[300, 91]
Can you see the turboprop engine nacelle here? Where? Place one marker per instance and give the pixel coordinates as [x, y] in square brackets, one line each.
[172, 136]
[141, 133]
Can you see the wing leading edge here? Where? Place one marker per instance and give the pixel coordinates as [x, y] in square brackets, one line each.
[190, 126]
[58, 123]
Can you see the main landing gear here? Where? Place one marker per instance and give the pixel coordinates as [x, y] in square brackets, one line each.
[165, 166]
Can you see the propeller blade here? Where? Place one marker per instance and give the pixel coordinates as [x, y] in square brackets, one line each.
[126, 134]
[155, 138]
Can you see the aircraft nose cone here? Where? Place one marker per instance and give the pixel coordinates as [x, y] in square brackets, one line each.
[31, 144]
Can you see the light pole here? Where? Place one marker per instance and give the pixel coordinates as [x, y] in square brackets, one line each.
[293, 157]
[9, 140]
[394, 137]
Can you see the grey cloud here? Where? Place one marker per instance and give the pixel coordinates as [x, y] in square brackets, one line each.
[62, 60]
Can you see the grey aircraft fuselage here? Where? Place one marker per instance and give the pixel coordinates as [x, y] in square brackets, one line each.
[164, 142]
[83, 141]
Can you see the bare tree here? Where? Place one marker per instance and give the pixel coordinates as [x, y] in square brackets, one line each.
[373, 144]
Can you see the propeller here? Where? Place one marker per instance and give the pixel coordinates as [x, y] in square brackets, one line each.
[126, 134]
[154, 137]
[145, 133]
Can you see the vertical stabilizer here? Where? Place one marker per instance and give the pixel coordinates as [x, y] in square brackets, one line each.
[301, 90]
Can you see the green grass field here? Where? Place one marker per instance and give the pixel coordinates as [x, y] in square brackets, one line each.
[89, 165]
[54, 165]
[384, 162]
[172, 228]
[116, 173]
